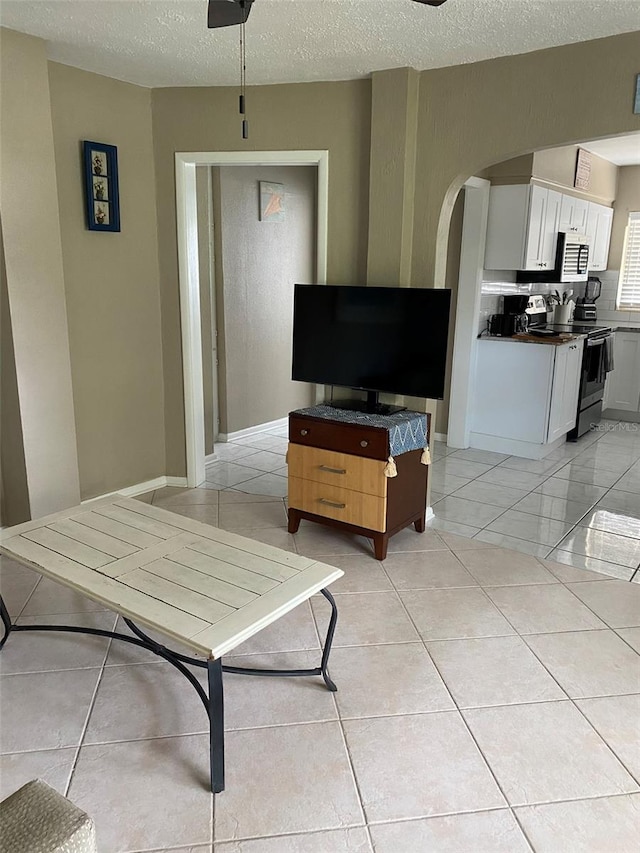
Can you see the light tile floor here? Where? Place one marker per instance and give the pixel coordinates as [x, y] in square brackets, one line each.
[579, 506]
[488, 699]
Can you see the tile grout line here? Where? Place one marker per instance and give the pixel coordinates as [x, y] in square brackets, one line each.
[533, 491]
[462, 718]
[561, 688]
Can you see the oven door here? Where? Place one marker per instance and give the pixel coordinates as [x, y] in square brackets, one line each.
[593, 372]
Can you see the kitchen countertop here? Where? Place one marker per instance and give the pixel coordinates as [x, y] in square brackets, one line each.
[524, 338]
[621, 325]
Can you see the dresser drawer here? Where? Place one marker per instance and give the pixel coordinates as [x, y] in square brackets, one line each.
[338, 469]
[338, 503]
[358, 440]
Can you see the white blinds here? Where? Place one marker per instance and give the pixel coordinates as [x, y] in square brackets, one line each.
[629, 285]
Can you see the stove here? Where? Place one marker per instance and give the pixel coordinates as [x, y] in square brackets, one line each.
[597, 361]
[580, 329]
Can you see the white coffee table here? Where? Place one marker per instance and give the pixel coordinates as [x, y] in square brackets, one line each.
[205, 588]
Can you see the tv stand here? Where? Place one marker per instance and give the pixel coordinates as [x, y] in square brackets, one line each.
[371, 405]
[337, 476]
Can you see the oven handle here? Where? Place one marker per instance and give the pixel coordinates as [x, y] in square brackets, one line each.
[597, 342]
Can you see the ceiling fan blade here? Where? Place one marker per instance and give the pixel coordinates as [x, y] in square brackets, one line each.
[226, 13]
[431, 2]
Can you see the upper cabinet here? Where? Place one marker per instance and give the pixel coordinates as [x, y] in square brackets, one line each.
[599, 222]
[573, 214]
[524, 221]
[522, 228]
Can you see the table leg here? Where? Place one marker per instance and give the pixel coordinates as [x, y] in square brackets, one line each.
[6, 622]
[216, 725]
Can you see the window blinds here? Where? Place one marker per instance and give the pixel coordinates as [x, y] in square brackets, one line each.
[629, 285]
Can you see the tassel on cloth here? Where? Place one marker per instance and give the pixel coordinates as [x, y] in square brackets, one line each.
[390, 469]
[426, 457]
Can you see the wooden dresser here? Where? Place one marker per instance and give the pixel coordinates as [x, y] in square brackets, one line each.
[337, 477]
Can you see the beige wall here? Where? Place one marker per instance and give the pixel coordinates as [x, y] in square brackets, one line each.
[627, 200]
[557, 167]
[14, 491]
[261, 262]
[473, 115]
[332, 116]
[34, 276]
[111, 284]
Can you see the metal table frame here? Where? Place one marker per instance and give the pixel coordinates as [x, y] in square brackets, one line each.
[213, 701]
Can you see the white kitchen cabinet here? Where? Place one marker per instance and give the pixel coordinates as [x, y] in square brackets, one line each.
[565, 388]
[598, 230]
[622, 388]
[522, 227]
[525, 395]
[573, 214]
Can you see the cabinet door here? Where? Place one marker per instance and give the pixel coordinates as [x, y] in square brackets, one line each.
[565, 389]
[550, 228]
[622, 388]
[573, 214]
[572, 377]
[599, 222]
[536, 229]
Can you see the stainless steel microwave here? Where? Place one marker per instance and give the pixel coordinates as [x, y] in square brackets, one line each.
[572, 257]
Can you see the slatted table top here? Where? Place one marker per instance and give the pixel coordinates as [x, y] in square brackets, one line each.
[207, 588]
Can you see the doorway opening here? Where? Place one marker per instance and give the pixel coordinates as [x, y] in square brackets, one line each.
[189, 273]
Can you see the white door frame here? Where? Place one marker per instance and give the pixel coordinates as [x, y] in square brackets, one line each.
[474, 233]
[186, 221]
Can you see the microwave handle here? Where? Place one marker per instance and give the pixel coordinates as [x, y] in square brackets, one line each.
[583, 258]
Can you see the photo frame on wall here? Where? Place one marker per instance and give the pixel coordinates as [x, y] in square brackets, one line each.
[101, 186]
[271, 201]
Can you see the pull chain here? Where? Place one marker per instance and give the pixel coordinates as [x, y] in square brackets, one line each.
[243, 72]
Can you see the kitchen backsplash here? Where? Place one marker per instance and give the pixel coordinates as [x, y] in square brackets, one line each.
[497, 283]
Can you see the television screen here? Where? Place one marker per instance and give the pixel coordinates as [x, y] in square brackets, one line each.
[383, 339]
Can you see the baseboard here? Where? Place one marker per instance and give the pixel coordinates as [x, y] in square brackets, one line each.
[210, 459]
[142, 488]
[620, 415]
[254, 430]
[429, 514]
[440, 436]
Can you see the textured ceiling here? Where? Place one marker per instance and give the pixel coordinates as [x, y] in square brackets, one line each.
[167, 43]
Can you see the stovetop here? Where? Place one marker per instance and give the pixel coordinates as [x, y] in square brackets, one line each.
[579, 329]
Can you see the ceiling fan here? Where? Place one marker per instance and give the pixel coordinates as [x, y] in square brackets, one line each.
[226, 13]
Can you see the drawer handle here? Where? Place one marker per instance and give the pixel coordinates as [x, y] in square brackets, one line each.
[364, 444]
[304, 432]
[332, 470]
[331, 503]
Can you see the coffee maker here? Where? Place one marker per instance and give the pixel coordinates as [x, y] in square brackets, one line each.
[513, 318]
[586, 305]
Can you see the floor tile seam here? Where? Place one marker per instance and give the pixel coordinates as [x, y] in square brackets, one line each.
[36, 585]
[572, 700]
[592, 798]
[611, 532]
[84, 729]
[562, 521]
[588, 557]
[48, 671]
[624, 640]
[461, 708]
[600, 738]
[591, 610]
[635, 777]
[354, 777]
[240, 839]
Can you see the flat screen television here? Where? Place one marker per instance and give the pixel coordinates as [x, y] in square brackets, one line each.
[375, 339]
